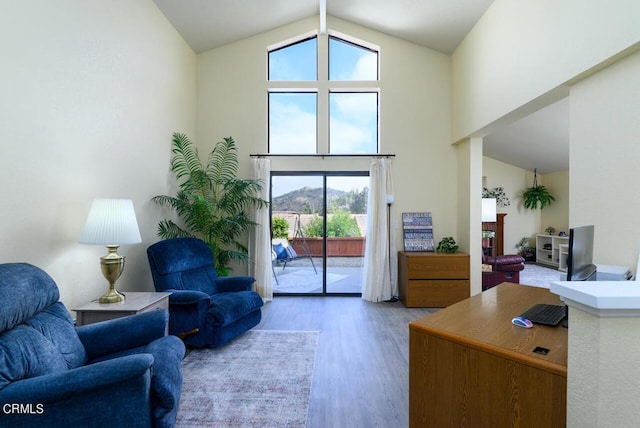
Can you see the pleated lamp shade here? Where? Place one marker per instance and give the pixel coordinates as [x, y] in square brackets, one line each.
[111, 222]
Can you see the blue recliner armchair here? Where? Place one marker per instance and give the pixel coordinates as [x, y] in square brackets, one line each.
[123, 372]
[206, 310]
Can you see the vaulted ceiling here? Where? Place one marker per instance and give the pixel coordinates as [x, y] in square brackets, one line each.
[539, 141]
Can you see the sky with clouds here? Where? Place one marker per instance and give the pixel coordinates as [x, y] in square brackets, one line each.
[353, 116]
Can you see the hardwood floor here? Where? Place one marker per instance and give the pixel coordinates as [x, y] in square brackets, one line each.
[361, 368]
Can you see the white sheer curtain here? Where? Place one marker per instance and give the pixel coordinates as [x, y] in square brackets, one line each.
[260, 237]
[379, 282]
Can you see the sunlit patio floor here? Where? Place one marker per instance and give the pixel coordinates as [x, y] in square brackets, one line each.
[344, 275]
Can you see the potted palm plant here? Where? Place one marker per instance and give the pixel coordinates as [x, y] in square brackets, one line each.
[212, 202]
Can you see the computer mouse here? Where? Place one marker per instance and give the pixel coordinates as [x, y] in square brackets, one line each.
[522, 322]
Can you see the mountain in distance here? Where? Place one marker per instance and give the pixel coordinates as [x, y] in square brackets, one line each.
[308, 200]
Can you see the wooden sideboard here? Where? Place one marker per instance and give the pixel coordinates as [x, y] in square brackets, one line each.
[469, 366]
[432, 280]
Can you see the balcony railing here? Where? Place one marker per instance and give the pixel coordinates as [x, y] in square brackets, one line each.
[336, 247]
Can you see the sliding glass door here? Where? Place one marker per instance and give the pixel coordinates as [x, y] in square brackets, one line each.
[318, 230]
[297, 202]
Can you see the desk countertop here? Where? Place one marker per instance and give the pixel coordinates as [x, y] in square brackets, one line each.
[484, 322]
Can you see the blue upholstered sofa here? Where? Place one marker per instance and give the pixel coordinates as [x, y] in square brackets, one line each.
[119, 373]
[206, 310]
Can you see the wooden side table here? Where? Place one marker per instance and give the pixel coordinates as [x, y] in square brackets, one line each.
[134, 303]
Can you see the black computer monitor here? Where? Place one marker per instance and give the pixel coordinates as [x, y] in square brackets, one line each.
[580, 265]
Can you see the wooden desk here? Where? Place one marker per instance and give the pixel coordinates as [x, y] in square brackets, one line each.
[469, 366]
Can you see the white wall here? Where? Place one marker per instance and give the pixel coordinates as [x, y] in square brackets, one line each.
[520, 51]
[92, 91]
[414, 115]
[605, 137]
[556, 214]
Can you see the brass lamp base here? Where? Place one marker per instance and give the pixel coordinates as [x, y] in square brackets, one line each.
[112, 266]
[112, 296]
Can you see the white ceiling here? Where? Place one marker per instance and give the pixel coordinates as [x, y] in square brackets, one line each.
[436, 24]
[539, 141]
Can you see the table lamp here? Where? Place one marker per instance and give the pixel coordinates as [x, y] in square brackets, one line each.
[111, 222]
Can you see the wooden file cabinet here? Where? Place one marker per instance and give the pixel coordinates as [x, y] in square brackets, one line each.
[432, 280]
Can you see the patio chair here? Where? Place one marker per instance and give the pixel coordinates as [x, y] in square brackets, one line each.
[282, 253]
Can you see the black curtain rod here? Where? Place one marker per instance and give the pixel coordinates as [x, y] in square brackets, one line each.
[328, 155]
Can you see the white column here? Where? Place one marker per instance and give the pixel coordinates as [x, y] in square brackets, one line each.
[603, 367]
[469, 201]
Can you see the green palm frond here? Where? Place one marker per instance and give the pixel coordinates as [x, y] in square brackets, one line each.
[167, 229]
[239, 193]
[222, 164]
[186, 164]
[185, 160]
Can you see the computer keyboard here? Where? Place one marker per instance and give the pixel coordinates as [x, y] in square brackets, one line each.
[545, 314]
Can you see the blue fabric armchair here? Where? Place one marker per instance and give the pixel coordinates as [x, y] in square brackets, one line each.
[123, 372]
[206, 310]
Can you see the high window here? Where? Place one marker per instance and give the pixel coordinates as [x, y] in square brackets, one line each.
[323, 97]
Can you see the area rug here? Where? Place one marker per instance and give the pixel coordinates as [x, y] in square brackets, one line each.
[261, 379]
